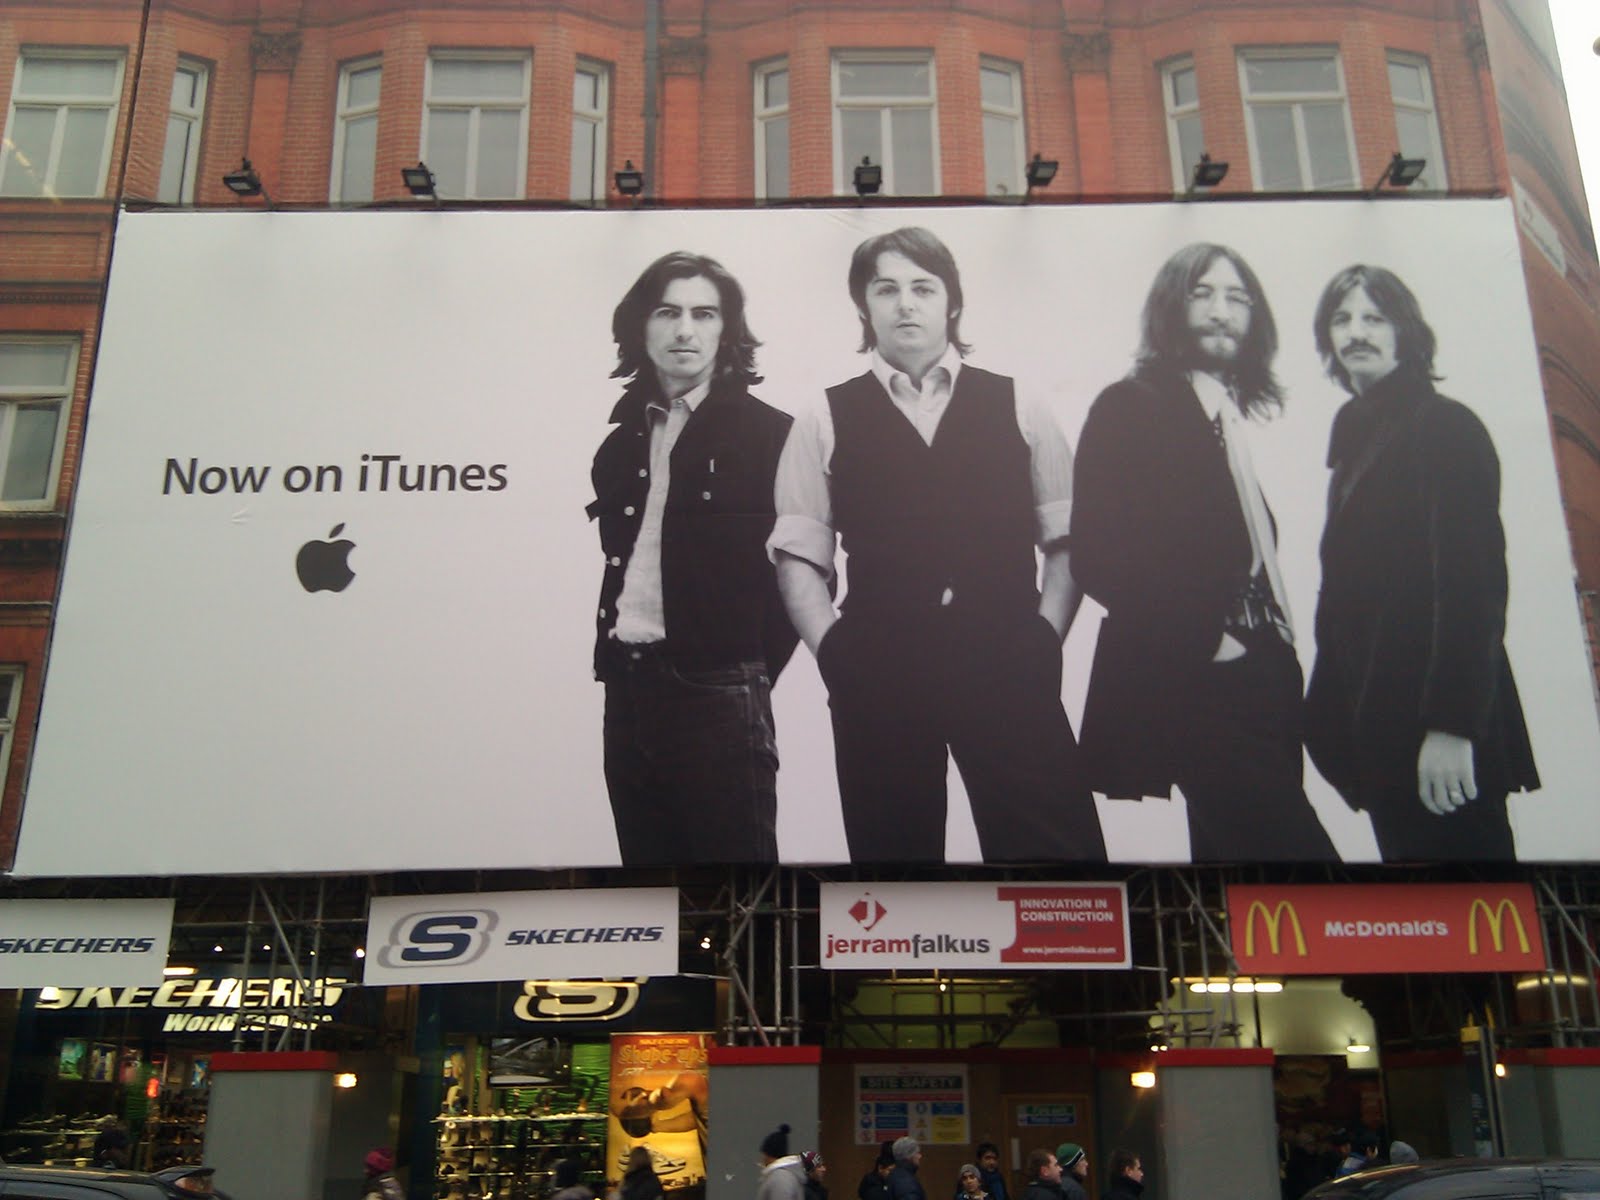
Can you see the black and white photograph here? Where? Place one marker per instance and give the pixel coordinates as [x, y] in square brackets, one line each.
[1141, 534]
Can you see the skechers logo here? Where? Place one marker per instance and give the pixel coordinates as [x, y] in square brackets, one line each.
[431, 939]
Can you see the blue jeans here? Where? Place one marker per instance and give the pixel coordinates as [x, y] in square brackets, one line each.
[691, 760]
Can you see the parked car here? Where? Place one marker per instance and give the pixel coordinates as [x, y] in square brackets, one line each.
[67, 1183]
[1468, 1179]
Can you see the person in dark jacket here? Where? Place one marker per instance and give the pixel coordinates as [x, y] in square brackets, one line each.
[639, 1180]
[874, 1184]
[989, 1172]
[816, 1174]
[690, 629]
[903, 1181]
[939, 480]
[1412, 712]
[1074, 1164]
[1195, 683]
[969, 1184]
[1044, 1176]
[1127, 1176]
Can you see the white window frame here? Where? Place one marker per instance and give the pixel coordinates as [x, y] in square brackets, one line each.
[844, 173]
[476, 108]
[8, 719]
[344, 113]
[194, 117]
[1434, 178]
[1295, 101]
[596, 121]
[1182, 172]
[62, 105]
[13, 397]
[1017, 115]
[764, 114]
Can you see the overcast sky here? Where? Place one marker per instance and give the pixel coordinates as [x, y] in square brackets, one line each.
[1577, 25]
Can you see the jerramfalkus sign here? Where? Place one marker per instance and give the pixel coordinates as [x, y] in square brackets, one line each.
[474, 540]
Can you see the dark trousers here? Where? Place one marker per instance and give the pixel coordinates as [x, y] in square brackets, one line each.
[904, 693]
[1241, 769]
[1478, 831]
[691, 760]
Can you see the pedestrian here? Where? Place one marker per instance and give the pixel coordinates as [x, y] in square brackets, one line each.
[1127, 1176]
[1044, 1177]
[111, 1145]
[1363, 1154]
[1403, 1152]
[903, 1181]
[994, 1180]
[568, 1186]
[381, 1183]
[639, 1180]
[1074, 1170]
[816, 1175]
[874, 1184]
[969, 1184]
[782, 1175]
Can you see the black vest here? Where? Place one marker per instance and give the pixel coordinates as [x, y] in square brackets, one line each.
[919, 520]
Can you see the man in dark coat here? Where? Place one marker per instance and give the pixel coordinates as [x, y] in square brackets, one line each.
[690, 630]
[1412, 712]
[939, 480]
[1044, 1177]
[1195, 680]
[1127, 1176]
[903, 1181]
[874, 1184]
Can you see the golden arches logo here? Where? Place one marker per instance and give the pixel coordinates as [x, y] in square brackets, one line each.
[1495, 918]
[1272, 919]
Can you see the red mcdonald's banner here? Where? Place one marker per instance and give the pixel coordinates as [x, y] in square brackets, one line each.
[1355, 929]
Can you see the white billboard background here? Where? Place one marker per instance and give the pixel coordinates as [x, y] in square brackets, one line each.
[441, 712]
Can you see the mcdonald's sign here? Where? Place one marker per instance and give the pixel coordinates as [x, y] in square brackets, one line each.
[1354, 929]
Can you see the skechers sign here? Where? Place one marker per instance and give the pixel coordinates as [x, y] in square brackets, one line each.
[486, 937]
[83, 943]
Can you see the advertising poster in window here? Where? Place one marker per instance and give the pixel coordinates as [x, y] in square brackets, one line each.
[926, 1101]
[1131, 533]
[658, 1110]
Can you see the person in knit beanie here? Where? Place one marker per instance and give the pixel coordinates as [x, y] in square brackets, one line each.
[874, 1184]
[903, 1181]
[782, 1176]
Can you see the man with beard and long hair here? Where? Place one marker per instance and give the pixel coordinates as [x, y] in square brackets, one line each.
[1195, 679]
[1412, 712]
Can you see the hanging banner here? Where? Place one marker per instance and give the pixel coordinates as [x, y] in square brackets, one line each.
[660, 1089]
[926, 1101]
[1355, 929]
[973, 926]
[83, 943]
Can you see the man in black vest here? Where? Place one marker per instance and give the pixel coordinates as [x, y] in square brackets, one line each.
[939, 482]
[690, 630]
[1195, 679]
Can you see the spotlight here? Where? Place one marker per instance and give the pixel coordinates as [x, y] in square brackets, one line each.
[1356, 1047]
[1142, 1079]
[175, 972]
[345, 1079]
[629, 180]
[867, 177]
[419, 181]
[1207, 173]
[1401, 172]
[1499, 1070]
[1041, 171]
[245, 182]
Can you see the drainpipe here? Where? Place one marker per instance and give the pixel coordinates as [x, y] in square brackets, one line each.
[652, 77]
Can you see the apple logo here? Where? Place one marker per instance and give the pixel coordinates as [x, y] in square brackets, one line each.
[324, 566]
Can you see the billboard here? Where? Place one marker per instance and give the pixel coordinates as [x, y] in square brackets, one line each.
[363, 511]
[75, 943]
[660, 1100]
[1354, 929]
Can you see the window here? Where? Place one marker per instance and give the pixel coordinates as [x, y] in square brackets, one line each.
[883, 110]
[1415, 120]
[1185, 136]
[590, 94]
[772, 131]
[475, 129]
[1298, 121]
[10, 696]
[1004, 148]
[182, 155]
[59, 130]
[36, 378]
[355, 133]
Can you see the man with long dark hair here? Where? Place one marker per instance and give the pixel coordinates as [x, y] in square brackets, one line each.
[939, 480]
[1412, 712]
[1195, 679]
[690, 630]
